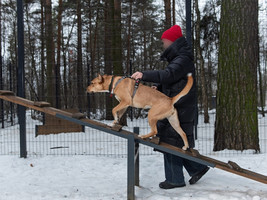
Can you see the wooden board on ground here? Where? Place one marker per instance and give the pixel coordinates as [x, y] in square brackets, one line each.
[55, 125]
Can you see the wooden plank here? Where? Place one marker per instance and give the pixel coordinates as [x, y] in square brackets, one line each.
[78, 115]
[54, 125]
[6, 92]
[30, 104]
[41, 104]
[46, 130]
[232, 167]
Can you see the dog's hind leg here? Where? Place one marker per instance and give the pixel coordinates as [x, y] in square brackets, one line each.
[174, 121]
[153, 125]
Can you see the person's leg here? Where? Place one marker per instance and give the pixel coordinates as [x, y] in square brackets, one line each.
[193, 167]
[173, 166]
[195, 170]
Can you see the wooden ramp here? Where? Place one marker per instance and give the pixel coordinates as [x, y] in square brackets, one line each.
[79, 118]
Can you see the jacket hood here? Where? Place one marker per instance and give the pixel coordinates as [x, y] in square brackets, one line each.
[177, 48]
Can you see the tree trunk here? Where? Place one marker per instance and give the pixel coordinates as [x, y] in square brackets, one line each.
[167, 9]
[34, 85]
[144, 40]
[80, 86]
[202, 68]
[116, 41]
[58, 65]
[236, 125]
[261, 91]
[108, 55]
[50, 57]
[1, 70]
[129, 38]
[42, 92]
[173, 12]
[92, 44]
[117, 46]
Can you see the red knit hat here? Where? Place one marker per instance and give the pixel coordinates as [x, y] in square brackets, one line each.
[172, 33]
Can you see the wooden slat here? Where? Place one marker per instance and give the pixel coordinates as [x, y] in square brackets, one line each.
[46, 130]
[6, 92]
[41, 104]
[78, 115]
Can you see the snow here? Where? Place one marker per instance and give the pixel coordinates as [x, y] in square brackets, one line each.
[105, 178]
[89, 177]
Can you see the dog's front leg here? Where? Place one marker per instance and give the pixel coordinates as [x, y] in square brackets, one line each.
[118, 111]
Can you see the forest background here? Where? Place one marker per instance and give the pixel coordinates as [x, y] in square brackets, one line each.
[67, 43]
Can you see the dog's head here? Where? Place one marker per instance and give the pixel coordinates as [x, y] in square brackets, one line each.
[98, 84]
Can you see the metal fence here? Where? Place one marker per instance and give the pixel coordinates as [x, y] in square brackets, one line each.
[94, 142]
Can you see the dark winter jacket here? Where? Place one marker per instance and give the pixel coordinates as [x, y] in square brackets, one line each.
[171, 81]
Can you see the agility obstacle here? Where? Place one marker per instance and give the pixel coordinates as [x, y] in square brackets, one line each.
[133, 143]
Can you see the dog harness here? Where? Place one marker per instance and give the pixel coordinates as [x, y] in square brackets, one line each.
[111, 90]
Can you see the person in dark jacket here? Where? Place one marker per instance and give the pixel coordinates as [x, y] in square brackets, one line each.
[171, 81]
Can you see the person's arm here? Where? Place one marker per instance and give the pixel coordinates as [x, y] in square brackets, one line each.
[173, 72]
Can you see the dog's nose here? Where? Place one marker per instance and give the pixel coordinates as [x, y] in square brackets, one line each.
[89, 91]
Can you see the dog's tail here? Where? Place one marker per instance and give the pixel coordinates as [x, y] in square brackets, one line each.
[186, 89]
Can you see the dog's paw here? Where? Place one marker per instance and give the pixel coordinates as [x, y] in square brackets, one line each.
[142, 136]
[184, 148]
[112, 124]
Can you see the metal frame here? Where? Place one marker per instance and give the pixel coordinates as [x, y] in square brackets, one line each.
[133, 151]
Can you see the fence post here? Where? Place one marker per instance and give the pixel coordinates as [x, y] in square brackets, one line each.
[131, 108]
[130, 168]
[21, 78]
[188, 22]
[136, 130]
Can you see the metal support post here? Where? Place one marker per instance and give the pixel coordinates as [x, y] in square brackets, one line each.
[21, 78]
[130, 168]
[137, 180]
[188, 22]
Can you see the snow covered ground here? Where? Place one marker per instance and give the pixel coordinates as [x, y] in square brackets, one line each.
[104, 178]
[91, 177]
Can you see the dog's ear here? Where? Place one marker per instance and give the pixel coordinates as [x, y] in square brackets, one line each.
[100, 78]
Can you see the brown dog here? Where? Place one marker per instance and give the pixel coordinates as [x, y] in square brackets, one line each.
[161, 106]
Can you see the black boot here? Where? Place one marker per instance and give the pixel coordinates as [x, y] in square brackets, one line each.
[198, 176]
[165, 185]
